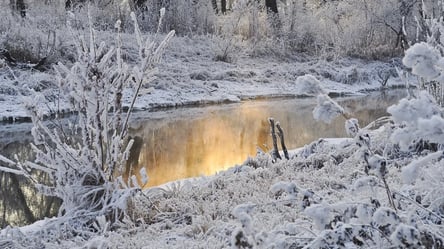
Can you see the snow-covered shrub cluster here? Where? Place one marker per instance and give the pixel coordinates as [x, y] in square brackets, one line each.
[373, 29]
[85, 159]
[187, 17]
[425, 59]
[38, 36]
[328, 28]
[327, 109]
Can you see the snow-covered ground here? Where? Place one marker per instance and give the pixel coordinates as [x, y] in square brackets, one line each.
[189, 74]
[345, 192]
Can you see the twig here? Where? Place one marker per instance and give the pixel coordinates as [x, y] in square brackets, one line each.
[281, 137]
[389, 194]
[418, 205]
[275, 152]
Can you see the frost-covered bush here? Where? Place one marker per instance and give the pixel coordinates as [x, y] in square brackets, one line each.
[186, 17]
[327, 109]
[38, 36]
[425, 59]
[230, 30]
[420, 119]
[400, 208]
[85, 159]
[308, 85]
[330, 28]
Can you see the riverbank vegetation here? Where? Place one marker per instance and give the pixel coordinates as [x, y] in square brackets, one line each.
[33, 30]
[380, 188]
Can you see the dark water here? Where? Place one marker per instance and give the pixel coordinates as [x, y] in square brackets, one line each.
[188, 142]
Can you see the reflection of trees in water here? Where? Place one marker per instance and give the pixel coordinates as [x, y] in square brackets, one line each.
[192, 147]
[373, 106]
[13, 202]
[133, 159]
[214, 140]
[21, 203]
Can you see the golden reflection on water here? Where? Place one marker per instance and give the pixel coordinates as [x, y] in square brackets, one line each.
[184, 144]
[202, 145]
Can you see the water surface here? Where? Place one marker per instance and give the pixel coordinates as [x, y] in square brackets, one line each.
[190, 142]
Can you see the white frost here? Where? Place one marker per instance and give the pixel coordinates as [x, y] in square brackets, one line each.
[288, 187]
[385, 216]
[411, 171]
[321, 215]
[309, 85]
[327, 109]
[409, 110]
[352, 127]
[406, 237]
[422, 58]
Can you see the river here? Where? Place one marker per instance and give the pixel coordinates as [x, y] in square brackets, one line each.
[197, 141]
[192, 141]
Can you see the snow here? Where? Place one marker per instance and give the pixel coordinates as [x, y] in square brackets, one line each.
[327, 109]
[406, 236]
[384, 216]
[309, 85]
[352, 127]
[275, 205]
[321, 215]
[189, 75]
[319, 197]
[408, 110]
[422, 58]
[421, 110]
[412, 170]
[432, 129]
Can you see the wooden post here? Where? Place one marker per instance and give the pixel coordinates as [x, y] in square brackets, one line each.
[281, 137]
[275, 153]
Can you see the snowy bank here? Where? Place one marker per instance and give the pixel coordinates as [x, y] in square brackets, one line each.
[190, 75]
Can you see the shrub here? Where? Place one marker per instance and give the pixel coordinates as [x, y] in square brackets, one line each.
[85, 159]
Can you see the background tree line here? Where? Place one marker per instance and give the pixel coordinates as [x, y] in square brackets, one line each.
[370, 29]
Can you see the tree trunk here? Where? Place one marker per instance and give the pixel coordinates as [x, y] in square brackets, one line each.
[273, 16]
[223, 6]
[21, 7]
[271, 6]
[18, 6]
[72, 4]
[138, 4]
[214, 3]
